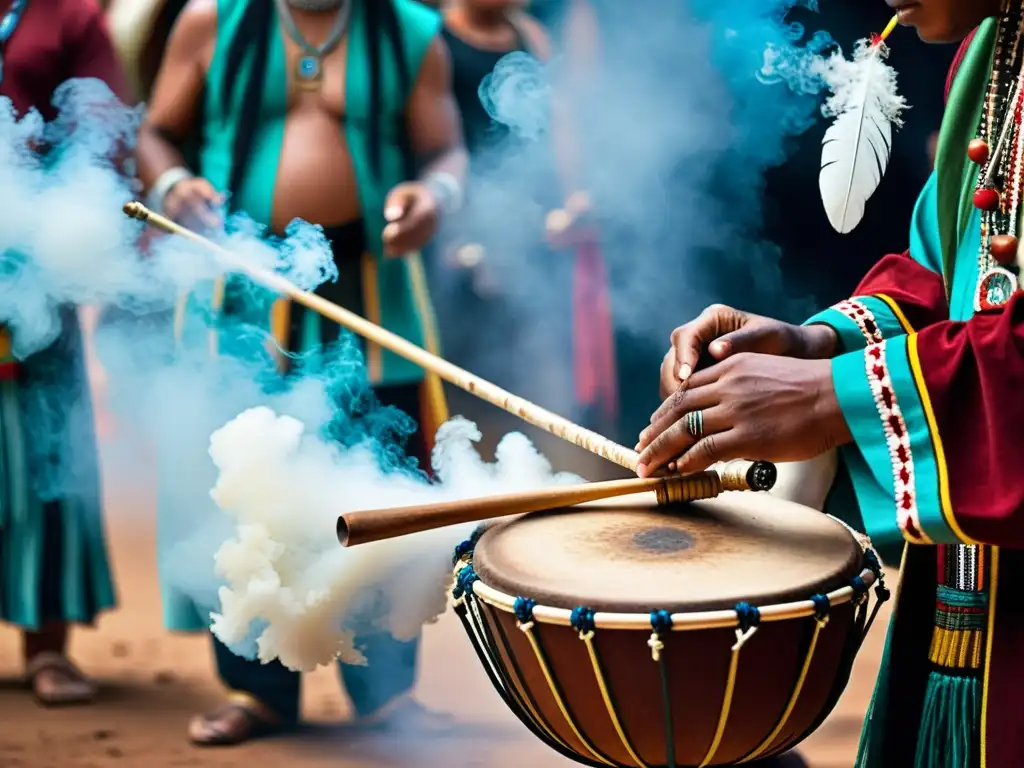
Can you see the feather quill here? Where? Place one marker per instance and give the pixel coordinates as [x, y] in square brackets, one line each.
[857, 146]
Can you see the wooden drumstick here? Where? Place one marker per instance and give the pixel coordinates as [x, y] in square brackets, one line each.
[363, 527]
[527, 411]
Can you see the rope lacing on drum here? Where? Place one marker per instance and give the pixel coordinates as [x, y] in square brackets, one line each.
[661, 623]
[464, 550]
[582, 620]
[882, 593]
[872, 563]
[822, 606]
[523, 609]
[464, 583]
[749, 619]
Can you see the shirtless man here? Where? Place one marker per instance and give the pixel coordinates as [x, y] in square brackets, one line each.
[281, 109]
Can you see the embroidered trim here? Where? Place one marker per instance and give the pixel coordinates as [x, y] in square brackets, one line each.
[897, 440]
[857, 312]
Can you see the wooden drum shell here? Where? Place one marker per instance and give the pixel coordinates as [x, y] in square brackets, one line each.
[770, 665]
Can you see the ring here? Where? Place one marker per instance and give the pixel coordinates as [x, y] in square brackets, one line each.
[695, 424]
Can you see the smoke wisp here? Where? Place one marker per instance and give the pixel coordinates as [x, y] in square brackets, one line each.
[675, 121]
[253, 468]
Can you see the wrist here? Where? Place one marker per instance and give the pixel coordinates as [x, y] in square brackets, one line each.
[162, 187]
[830, 412]
[820, 341]
[446, 191]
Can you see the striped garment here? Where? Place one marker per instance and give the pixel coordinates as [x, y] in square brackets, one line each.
[52, 550]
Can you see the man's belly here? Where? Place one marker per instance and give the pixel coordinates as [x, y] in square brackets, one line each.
[315, 176]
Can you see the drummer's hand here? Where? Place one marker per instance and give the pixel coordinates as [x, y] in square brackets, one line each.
[193, 203]
[753, 407]
[726, 331]
[412, 214]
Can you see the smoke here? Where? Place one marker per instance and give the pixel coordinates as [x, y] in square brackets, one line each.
[311, 598]
[676, 119]
[253, 468]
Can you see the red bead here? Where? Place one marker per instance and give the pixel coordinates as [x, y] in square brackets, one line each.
[1004, 249]
[978, 151]
[987, 199]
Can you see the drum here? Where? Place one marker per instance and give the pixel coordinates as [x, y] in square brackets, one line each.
[713, 633]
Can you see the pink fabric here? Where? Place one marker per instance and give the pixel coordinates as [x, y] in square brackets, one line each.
[593, 338]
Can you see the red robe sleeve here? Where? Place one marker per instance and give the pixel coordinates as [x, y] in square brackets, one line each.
[973, 375]
[89, 47]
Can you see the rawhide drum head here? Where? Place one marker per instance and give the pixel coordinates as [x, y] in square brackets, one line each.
[632, 556]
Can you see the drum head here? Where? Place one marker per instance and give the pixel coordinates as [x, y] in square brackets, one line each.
[634, 556]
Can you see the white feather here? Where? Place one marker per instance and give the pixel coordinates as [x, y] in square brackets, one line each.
[857, 146]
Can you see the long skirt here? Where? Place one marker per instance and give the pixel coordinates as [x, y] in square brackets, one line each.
[53, 557]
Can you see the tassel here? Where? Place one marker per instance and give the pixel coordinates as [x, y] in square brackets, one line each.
[857, 146]
[949, 722]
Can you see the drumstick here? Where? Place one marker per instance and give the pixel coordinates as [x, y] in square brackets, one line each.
[363, 527]
[527, 411]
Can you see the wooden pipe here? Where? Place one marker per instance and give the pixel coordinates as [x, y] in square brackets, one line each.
[527, 411]
[363, 527]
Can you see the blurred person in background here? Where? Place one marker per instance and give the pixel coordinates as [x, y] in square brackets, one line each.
[354, 129]
[815, 260]
[516, 259]
[54, 570]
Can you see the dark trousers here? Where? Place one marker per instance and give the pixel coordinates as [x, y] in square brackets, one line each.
[390, 671]
[391, 665]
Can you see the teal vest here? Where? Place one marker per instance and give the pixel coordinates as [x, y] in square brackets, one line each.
[394, 289]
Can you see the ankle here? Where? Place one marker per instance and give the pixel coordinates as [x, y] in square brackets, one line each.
[51, 639]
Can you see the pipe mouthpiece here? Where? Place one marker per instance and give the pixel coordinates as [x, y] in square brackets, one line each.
[342, 530]
[762, 476]
[136, 210]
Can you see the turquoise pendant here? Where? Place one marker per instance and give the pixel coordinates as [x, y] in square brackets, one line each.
[995, 289]
[308, 70]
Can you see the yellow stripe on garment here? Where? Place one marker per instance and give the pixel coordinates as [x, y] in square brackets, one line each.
[280, 319]
[180, 309]
[431, 338]
[371, 306]
[895, 309]
[990, 633]
[217, 302]
[940, 455]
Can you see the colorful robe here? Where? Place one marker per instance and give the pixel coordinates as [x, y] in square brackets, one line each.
[53, 558]
[932, 394]
[394, 289]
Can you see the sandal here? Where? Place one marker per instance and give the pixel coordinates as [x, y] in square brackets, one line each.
[240, 719]
[56, 681]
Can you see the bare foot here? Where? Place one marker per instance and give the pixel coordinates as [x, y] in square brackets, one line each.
[57, 682]
[238, 720]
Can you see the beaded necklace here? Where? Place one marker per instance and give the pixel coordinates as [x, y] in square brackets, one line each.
[8, 24]
[998, 192]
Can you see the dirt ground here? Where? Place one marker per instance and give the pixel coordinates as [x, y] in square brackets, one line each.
[153, 681]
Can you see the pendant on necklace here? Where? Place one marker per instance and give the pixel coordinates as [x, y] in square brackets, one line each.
[995, 289]
[308, 73]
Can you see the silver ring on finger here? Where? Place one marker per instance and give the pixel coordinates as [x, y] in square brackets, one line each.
[695, 424]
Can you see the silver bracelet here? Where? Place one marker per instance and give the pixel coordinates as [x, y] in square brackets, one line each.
[446, 190]
[164, 184]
